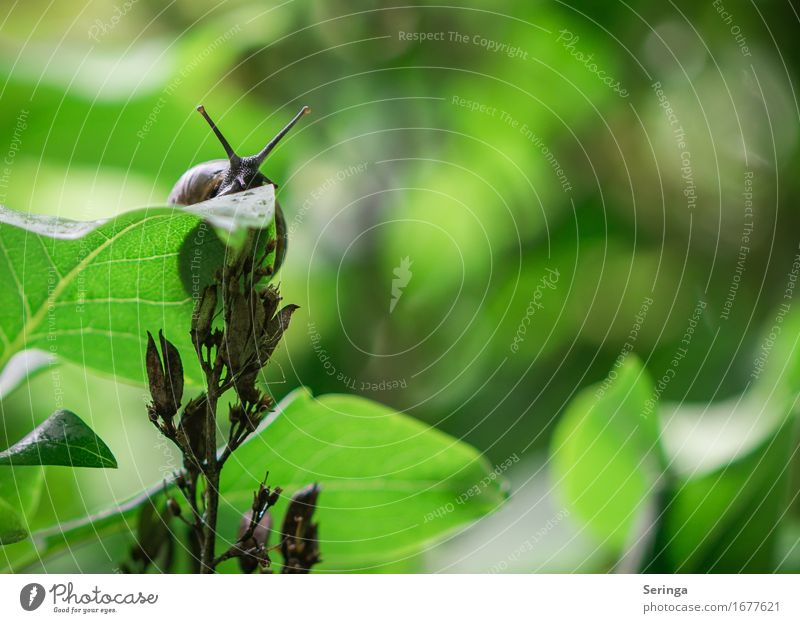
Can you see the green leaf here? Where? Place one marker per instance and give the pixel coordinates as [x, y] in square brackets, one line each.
[391, 485]
[702, 438]
[727, 521]
[89, 291]
[731, 463]
[12, 528]
[606, 454]
[20, 489]
[775, 376]
[62, 439]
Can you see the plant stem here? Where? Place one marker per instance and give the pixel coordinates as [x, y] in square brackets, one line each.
[211, 473]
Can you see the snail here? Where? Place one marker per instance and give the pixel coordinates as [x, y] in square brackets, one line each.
[216, 178]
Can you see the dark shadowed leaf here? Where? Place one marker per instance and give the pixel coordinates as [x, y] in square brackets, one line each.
[20, 490]
[12, 529]
[62, 439]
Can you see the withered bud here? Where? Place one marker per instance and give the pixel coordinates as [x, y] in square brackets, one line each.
[273, 333]
[253, 420]
[299, 540]
[280, 321]
[265, 403]
[270, 298]
[192, 432]
[236, 413]
[265, 497]
[166, 380]
[152, 414]
[253, 542]
[173, 369]
[174, 507]
[258, 314]
[246, 385]
[203, 317]
[239, 334]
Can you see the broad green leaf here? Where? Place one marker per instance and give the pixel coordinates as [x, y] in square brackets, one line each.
[62, 439]
[731, 463]
[89, 291]
[391, 485]
[605, 453]
[727, 521]
[701, 438]
[91, 533]
[12, 528]
[20, 489]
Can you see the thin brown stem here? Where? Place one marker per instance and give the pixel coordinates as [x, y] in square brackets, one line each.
[211, 473]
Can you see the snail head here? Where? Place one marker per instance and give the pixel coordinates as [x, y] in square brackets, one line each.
[244, 173]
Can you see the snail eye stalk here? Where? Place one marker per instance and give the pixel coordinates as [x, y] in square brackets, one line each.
[234, 159]
[261, 156]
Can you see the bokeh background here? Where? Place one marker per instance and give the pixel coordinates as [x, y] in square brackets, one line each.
[468, 152]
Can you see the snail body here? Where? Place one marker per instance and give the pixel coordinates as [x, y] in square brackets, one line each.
[216, 178]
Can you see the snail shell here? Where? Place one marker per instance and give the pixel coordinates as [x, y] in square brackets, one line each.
[199, 183]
